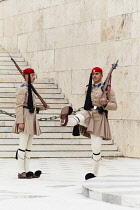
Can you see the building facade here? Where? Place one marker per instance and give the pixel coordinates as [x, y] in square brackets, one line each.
[65, 39]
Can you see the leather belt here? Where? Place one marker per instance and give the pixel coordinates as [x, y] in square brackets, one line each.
[26, 107]
[34, 108]
[100, 110]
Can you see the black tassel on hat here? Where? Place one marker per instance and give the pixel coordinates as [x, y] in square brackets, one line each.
[87, 106]
[30, 98]
[88, 103]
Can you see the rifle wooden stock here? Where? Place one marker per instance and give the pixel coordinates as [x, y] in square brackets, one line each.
[107, 83]
[34, 90]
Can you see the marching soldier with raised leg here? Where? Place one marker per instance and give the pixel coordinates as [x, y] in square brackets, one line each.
[92, 122]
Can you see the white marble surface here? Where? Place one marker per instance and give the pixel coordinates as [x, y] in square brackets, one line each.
[59, 187]
[119, 185]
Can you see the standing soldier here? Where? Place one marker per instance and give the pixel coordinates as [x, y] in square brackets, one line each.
[92, 121]
[26, 124]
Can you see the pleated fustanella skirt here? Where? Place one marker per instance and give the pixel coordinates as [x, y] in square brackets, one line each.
[96, 124]
[31, 124]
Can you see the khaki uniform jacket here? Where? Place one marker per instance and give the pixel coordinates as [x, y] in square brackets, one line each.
[97, 124]
[23, 115]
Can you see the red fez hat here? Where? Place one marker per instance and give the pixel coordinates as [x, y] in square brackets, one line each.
[28, 71]
[96, 69]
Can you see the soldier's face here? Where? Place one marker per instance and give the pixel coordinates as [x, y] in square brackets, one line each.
[32, 76]
[97, 77]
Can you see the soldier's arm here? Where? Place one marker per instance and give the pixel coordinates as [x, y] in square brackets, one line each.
[40, 107]
[112, 104]
[20, 99]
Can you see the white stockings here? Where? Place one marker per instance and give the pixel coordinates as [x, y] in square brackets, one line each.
[95, 141]
[96, 149]
[24, 151]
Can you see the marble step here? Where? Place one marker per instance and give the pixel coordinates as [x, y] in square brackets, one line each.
[9, 50]
[11, 78]
[10, 63]
[48, 100]
[61, 154]
[14, 55]
[49, 111]
[7, 117]
[47, 148]
[8, 59]
[41, 123]
[9, 105]
[54, 141]
[36, 85]
[43, 129]
[44, 113]
[9, 72]
[20, 79]
[44, 95]
[4, 117]
[13, 67]
[40, 91]
[44, 136]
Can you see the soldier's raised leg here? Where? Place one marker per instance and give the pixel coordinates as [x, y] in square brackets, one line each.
[66, 119]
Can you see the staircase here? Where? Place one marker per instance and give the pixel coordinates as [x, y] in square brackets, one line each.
[55, 141]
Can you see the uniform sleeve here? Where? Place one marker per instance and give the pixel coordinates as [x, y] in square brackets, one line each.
[112, 104]
[41, 107]
[20, 99]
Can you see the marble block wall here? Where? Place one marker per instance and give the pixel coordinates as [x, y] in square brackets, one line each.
[64, 39]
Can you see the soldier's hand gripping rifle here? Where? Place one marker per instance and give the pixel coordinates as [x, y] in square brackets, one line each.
[34, 90]
[106, 88]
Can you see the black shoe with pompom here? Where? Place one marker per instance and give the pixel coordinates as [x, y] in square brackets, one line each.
[89, 176]
[29, 175]
[37, 174]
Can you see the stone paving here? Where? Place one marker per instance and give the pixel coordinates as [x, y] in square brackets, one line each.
[120, 183]
[60, 186]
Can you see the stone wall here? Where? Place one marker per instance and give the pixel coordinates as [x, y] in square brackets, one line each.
[64, 39]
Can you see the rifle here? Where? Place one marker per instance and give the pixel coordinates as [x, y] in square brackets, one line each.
[106, 88]
[34, 90]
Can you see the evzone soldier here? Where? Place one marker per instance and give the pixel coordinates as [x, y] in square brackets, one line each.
[92, 121]
[26, 124]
